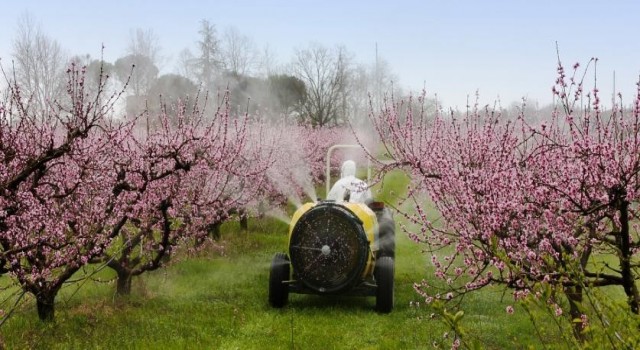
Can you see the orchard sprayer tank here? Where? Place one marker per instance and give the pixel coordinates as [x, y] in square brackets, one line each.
[337, 247]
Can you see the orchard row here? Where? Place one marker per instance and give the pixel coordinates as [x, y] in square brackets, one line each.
[78, 186]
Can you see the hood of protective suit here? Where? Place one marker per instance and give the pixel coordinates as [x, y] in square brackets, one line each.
[348, 169]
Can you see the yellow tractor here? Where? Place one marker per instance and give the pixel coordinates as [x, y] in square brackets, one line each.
[337, 247]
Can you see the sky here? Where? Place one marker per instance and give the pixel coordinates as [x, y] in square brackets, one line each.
[503, 50]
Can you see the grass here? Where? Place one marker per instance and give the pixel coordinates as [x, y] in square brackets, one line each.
[219, 301]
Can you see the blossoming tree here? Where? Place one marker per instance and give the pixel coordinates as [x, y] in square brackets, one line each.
[183, 177]
[57, 207]
[524, 205]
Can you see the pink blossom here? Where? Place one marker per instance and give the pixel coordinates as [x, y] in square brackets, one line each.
[558, 310]
[526, 198]
[584, 319]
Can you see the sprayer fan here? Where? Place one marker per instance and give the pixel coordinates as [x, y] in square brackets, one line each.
[328, 248]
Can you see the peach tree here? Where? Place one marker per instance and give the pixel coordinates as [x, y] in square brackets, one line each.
[524, 206]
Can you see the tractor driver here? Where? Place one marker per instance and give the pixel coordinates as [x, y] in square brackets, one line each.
[349, 188]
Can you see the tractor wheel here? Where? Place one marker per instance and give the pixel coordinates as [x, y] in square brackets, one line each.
[384, 272]
[387, 234]
[278, 291]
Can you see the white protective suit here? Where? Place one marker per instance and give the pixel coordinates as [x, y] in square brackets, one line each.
[349, 187]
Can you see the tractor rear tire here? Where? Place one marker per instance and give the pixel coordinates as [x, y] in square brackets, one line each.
[387, 234]
[278, 290]
[384, 274]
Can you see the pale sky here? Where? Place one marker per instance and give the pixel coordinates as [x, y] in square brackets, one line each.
[503, 49]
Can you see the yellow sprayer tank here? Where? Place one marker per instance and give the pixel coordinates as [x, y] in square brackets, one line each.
[338, 246]
[332, 245]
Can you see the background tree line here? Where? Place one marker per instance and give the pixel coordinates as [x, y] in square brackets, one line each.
[320, 86]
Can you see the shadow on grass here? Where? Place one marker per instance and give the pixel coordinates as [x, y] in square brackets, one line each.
[311, 302]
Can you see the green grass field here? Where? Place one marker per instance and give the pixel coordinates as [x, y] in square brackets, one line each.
[219, 301]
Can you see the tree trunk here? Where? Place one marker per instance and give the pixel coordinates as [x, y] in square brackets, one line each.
[123, 284]
[244, 222]
[214, 230]
[628, 280]
[574, 295]
[45, 304]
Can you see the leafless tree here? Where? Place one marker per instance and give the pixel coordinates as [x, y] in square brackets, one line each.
[268, 64]
[39, 64]
[325, 74]
[239, 54]
[185, 64]
[145, 43]
[383, 81]
[360, 92]
[143, 55]
[368, 86]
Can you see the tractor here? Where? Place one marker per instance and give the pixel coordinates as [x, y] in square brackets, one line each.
[337, 247]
